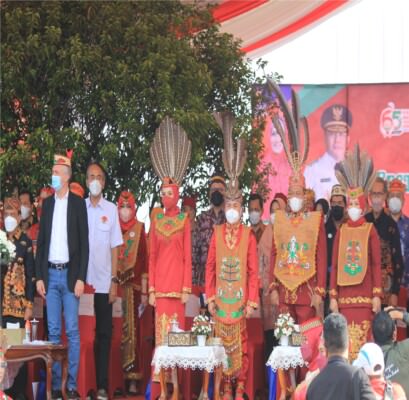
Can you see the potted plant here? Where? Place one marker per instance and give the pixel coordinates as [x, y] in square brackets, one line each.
[201, 328]
[285, 326]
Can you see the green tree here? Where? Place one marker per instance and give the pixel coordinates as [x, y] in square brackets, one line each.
[98, 77]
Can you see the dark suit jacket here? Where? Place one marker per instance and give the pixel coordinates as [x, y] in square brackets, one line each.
[340, 381]
[77, 234]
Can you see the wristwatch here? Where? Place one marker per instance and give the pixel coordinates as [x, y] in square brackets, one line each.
[114, 279]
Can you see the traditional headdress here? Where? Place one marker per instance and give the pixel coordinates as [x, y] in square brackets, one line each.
[127, 198]
[338, 190]
[396, 186]
[170, 152]
[356, 174]
[63, 160]
[233, 158]
[296, 155]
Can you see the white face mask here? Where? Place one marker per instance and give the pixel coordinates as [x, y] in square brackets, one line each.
[272, 217]
[95, 188]
[354, 213]
[125, 214]
[254, 217]
[10, 223]
[296, 204]
[232, 216]
[395, 205]
[25, 212]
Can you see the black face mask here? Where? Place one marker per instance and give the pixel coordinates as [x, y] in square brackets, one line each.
[216, 198]
[337, 212]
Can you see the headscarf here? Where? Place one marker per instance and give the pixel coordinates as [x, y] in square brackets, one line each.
[127, 198]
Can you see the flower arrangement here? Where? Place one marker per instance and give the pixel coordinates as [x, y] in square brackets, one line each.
[285, 325]
[7, 248]
[201, 325]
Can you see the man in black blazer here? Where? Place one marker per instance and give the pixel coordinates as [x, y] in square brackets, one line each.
[61, 267]
[339, 380]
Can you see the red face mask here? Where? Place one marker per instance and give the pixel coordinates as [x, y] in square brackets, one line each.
[171, 202]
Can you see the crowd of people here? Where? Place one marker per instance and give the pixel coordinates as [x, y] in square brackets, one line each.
[344, 260]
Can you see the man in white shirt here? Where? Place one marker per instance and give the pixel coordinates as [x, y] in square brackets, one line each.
[105, 237]
[336, 120]
[61, 268]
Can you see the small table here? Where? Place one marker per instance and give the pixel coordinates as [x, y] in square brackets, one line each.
[286, 358]
[206, 358]
[49, 353]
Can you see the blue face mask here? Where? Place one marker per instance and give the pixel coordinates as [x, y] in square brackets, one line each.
[56, 182]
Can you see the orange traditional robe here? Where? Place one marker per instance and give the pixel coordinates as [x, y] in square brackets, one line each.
[299, 262]
[170, 268]
[232, 282]
[133, 277]
[356, 277]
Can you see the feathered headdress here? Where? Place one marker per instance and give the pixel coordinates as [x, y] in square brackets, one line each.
[233, 159]
[356, 173]
[296, 155]
[170, 152]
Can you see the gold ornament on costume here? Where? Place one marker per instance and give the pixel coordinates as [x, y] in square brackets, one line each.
[233, 159]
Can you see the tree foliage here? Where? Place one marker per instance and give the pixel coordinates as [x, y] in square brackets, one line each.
[98, 77]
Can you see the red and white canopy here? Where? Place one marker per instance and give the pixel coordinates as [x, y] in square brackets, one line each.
[263, 24]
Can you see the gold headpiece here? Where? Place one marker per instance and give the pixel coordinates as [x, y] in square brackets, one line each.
[356, 171]
[294, 122]
[170, 152]
[233, 159]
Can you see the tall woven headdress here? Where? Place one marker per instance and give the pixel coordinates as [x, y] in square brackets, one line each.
[233, 158]
[356, 172]
[170, 152]
[295, 151]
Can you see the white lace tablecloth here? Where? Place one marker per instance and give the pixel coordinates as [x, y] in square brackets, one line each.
[191, 357]
[285, 357]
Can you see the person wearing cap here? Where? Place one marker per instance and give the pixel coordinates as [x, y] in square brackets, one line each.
[133, 281]
[232, 271]
[396, 201]
[370, 359]
[338, 204]
[17, 283]
[336, 121]
[105, 238]
[395, 353]
[204, 228]
[61, 267]
[387, 228]
[338, 380]
[355, 281]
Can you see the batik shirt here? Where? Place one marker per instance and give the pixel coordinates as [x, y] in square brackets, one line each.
[201, 241]
[403, 226]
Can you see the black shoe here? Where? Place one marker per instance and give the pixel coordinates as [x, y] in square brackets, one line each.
[73, 394]
[56, 395]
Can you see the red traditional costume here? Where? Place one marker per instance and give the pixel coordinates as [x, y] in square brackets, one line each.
[299, 251]
[232, 270]
[133, 280]
[356, 267]
[170, 255]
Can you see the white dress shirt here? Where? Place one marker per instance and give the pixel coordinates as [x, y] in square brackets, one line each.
[58, 253]
[104, 234]
[320, 176]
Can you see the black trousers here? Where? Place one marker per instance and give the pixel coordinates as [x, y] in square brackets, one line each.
[18, 390]
[103, 335]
